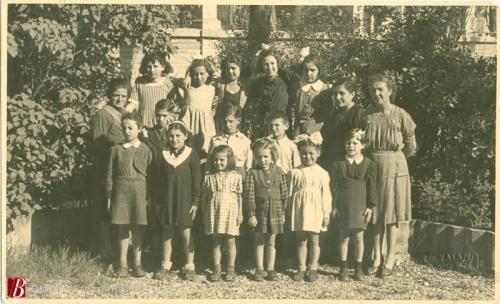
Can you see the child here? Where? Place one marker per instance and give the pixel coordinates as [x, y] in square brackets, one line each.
[199, 98]
[288, 154]
[354, 193]
[126, 192]
[311, 205]
[267, 94]
[106, 131]
[150, 88]
[342, 115]
[303, 102]
[265, 197]
[229, 88]
[167, 111]
[229, 117]
[222, 208]
[177, 187]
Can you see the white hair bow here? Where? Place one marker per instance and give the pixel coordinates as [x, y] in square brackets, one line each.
[263, 46]
[315, 138]
[304, 52]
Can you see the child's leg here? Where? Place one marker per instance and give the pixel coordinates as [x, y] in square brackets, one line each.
[123, 242]
[344, 244]
[231, 245]
[259, 250]
[137, 236]
[302, 249]
[270, 250]
[167, 235]
[187, 242]
[359, 246]
[315, 251]
[216, 244]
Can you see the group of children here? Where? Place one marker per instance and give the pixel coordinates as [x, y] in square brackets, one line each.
[188, 156]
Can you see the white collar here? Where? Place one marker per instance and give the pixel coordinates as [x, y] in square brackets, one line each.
[317, 85]
[281, 140]
[356, 160]
[134, 144]
[176, 161]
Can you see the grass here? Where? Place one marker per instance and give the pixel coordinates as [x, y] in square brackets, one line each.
[43, 264]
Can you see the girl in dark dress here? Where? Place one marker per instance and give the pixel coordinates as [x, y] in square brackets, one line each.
[126, 192]
[354, 196]
[266, 95]
[177, 186]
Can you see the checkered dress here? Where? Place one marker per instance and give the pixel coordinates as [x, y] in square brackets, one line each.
[220, 195]
[269, 212]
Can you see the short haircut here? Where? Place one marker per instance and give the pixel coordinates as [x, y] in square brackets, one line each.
[382, 78]
[263, 55]
[231, 162]
[152, 57]
[167, 104]
[201, 63]
[266, 143]
[279, 115]
[311, 58]
[348, 83]
[118, 83]
[132, 116]
[224, 109]
[357, 134]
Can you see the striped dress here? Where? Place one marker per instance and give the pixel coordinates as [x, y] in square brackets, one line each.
[146, 96]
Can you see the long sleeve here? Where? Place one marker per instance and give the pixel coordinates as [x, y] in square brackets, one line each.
[149, 170]
[408, 130]
[109, 172]
[249, 195]
[196, 178]
[284, 191]
[371, 185]
[326, 196]
[334, 185]
[204, 195]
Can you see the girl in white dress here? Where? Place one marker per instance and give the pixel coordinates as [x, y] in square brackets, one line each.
[199, 99]
[310, 205]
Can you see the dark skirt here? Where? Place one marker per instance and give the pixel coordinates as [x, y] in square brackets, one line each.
[269, 220]
[128, 202]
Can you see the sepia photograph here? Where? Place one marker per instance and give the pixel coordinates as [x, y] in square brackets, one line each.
[248, 151]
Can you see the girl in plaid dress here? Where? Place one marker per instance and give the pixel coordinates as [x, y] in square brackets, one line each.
[222, 212]
[265, 196]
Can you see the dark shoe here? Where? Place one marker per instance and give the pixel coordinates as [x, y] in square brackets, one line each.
[344, 274]
[299, 275]
[161, 274]
[122, 272]
[358, 274]
[138, 272]
[231, 274]
[259, 275]
[272, 275]
[312, 276]
[189, 275]
[215, 276]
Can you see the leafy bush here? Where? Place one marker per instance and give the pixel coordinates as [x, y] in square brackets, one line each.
[60, 59]
[449, 92]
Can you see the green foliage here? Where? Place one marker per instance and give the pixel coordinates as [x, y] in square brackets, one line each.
[60, 59]
[449, 92]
